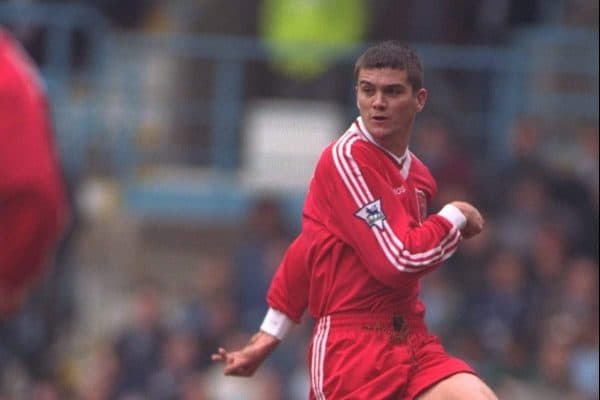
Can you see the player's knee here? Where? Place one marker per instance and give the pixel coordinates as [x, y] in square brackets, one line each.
[459, 386]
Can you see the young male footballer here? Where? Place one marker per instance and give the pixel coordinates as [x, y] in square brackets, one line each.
[366, 241]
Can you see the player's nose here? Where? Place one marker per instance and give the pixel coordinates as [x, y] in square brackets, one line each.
[379, 100]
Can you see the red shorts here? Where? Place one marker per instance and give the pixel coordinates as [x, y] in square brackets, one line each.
[376, 357]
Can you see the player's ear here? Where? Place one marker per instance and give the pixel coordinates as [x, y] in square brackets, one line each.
[421, 99]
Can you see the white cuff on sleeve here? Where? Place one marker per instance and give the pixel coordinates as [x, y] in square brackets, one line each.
[276, 324]
[453, 214]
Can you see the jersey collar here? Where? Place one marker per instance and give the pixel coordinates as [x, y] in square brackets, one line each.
[404, 161]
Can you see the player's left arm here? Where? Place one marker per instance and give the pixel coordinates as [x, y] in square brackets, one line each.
[369, 215]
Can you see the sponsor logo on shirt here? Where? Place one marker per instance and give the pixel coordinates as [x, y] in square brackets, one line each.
[372, 214]
[399, 190]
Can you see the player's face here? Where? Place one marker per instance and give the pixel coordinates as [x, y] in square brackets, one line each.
[387, 102]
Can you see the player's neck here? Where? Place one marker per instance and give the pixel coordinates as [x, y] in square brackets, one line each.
[397, 149]
[395, 144]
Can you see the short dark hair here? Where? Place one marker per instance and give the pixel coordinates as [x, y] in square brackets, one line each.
[395, 55]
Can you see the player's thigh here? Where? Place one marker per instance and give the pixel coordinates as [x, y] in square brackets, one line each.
[459, 387]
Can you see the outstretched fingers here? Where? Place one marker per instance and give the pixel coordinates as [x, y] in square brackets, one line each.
[220, 355]
[238, 369]
[246, 361]
[235, 363]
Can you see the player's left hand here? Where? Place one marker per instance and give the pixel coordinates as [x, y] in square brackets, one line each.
[475, 221]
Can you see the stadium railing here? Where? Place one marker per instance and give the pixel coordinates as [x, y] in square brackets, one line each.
[112, 113]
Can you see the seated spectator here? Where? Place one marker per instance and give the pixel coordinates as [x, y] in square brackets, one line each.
[138, 345]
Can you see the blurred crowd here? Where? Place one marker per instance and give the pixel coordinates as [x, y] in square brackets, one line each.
[519, 302]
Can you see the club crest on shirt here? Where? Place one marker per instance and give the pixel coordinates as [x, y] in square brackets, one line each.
[421, 204]
[372, 214]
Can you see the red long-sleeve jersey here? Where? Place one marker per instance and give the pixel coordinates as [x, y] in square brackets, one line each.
[366, 238]
[33, 207]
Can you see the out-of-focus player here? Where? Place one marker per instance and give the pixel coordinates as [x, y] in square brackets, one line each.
[366, 241]
[33, 205]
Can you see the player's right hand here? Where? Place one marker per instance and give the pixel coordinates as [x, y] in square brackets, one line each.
[475, 221]
[236, 362]
[246, 361]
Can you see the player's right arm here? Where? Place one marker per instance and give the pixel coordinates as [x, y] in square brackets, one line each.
[288, 292]
[245, 362]
[287, 299]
